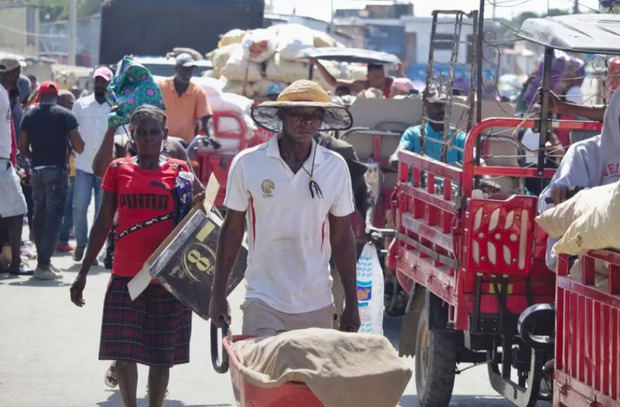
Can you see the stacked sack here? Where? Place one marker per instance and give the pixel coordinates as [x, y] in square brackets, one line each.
[252, 62]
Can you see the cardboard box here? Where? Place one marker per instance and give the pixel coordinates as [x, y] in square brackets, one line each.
[184, 263]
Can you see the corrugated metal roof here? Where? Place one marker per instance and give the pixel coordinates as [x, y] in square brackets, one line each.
[589, 33]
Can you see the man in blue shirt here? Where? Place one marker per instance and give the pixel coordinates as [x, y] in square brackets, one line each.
[433, 134]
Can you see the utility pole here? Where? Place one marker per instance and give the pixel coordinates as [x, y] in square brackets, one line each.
[72, 31]
[576, 7]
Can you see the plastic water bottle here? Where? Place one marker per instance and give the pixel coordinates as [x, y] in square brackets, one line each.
[370, 291]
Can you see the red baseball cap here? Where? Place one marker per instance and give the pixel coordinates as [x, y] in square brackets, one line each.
[48, 88]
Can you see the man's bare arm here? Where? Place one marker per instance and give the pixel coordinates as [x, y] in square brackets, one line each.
[77, 142]
[344, 253]
[596, 113]
[105, 154]
[177, 151]
[24, 144]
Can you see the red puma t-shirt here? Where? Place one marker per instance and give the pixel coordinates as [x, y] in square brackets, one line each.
[141, 195]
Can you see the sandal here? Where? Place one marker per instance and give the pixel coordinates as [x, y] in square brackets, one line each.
[110, 376]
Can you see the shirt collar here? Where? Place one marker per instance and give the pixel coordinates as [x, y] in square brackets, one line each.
[273, 150]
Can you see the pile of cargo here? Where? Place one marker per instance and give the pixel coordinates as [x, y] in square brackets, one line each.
[253, 62]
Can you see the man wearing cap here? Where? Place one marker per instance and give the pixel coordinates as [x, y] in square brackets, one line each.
[13, 204]
[47, 132]
[375, 79]
[186, 102]
[433, 133]
[92, 116]
[297, 199]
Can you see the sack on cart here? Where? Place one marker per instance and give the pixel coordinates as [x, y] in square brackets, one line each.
[342, 369]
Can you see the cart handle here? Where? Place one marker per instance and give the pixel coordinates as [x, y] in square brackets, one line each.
[220, 366]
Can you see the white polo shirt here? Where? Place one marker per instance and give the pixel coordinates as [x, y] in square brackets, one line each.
[5, 125]
[93, 120]
[288, 230]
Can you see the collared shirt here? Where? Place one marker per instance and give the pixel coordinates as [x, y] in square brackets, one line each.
[410, 140]
[182, 112]
[288, 230]
[5, 124]
[93, 120]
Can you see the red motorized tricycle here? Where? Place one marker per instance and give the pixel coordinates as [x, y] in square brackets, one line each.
[473, 263]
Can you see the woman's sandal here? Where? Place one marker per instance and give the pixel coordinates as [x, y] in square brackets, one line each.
[110, 376]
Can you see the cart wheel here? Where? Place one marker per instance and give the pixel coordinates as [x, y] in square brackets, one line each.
[435, 364]
[219, 365]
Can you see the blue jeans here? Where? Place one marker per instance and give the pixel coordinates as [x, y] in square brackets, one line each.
[85, 185]
[49, 196]
[67, 222]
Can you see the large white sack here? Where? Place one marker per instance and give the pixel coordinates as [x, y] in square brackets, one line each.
[596, 223]
[239, 68]
[286, 71]
[212, 86]
[231, 86]
[219, 57]
[292, 38]
[558, 219]
[322, 39]
[259, 45]
[230, 102]
[234, 36]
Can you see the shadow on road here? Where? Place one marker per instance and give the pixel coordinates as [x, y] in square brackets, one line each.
[462, 401]
[115, 401]
[33, 282]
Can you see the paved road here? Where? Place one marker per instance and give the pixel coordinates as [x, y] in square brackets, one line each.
[48, 352]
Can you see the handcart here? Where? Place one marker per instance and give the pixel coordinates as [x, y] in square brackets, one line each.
[247, 394]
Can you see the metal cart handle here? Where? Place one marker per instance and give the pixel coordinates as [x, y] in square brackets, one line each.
[220, 366]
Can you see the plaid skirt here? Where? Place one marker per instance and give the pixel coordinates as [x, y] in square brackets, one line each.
[154, 329]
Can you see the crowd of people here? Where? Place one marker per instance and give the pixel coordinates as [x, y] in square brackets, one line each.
[67, 151]
[52, 139]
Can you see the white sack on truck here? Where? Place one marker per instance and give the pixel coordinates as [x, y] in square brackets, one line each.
[234, 36]
[231, 86]
[239, 68]
[589, 220]
[219, 57]
[259, 45]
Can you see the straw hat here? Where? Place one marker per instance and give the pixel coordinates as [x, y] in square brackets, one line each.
[302, 93]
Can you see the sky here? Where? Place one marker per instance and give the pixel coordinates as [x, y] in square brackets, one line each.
[505, 8]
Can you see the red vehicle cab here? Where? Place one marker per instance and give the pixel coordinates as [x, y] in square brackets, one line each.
[474, 266]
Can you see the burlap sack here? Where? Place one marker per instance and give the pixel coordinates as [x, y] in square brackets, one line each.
[239, 68]
[234, 36]
[557, 220]
[237, 87]
[219, 57]
[598, 225]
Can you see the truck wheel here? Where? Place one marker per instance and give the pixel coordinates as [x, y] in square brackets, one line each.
[435, 364]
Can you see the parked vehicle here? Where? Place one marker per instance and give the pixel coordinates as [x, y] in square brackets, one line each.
[473, 264]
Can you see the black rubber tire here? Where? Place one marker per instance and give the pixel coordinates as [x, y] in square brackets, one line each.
[435, 364]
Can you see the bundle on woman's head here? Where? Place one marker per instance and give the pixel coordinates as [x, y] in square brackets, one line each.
[150, 112]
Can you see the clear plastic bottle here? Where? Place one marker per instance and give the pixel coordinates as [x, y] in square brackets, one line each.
[370, 291]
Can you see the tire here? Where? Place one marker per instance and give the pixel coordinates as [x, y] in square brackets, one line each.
[435, 364]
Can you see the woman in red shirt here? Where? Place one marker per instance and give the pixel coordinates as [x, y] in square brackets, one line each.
[154, 329]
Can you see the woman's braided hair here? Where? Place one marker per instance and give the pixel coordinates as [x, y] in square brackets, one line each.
[150, 112]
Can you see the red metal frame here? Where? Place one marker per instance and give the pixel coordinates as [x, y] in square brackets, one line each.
[587, 354]
[444, 228]
[218, 163]
[249, 395]
[470, 169]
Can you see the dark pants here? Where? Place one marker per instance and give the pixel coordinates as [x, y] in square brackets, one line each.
[67, 222]
[49, 194]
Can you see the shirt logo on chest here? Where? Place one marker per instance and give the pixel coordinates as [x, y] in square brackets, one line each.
[268, 186]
